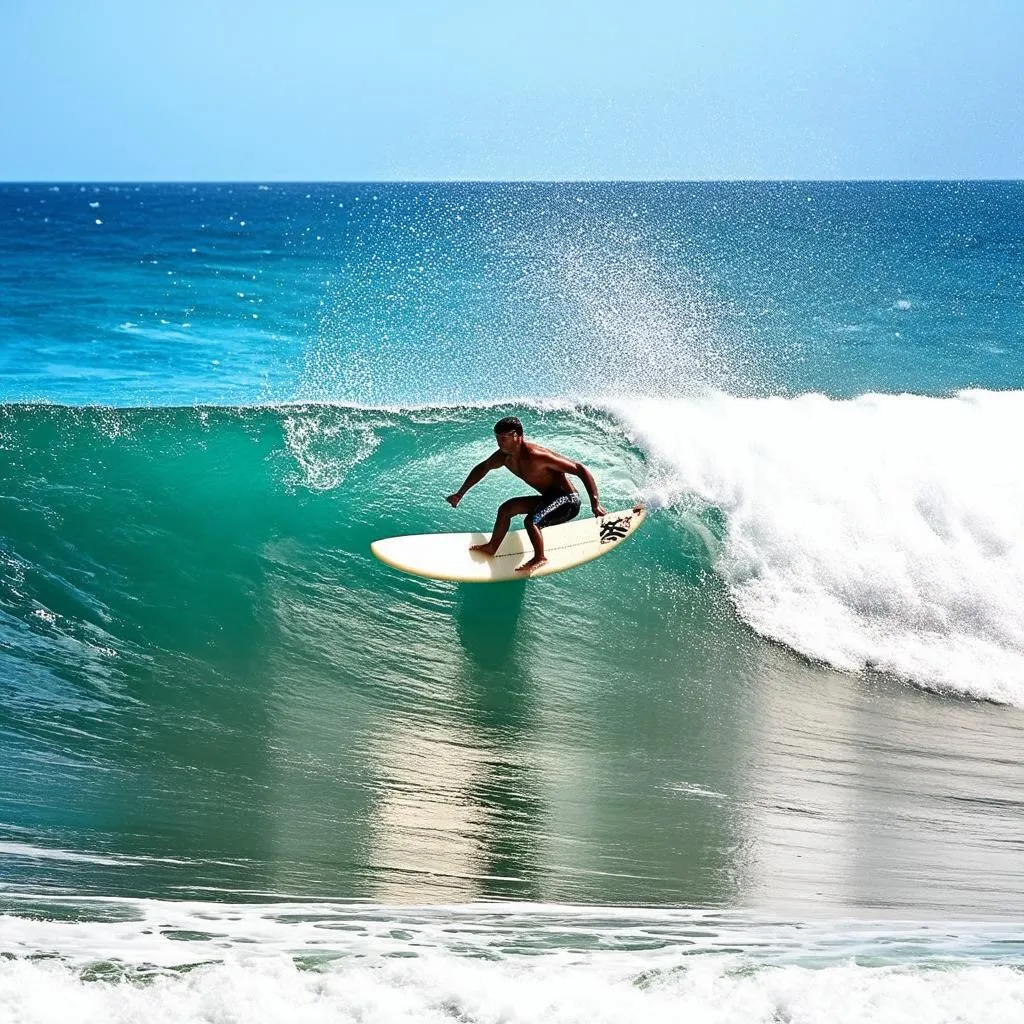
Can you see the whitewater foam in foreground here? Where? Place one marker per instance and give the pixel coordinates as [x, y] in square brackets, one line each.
[442, 989]
[154, 961]
[883, 532]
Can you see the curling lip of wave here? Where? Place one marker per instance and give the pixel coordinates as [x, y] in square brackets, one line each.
[881, 532]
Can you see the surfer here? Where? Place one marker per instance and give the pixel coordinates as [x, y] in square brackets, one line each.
[542, 469]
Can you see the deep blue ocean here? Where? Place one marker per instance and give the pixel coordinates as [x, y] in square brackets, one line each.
[762, 764]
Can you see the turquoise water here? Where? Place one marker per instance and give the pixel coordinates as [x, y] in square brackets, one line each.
[761, 763]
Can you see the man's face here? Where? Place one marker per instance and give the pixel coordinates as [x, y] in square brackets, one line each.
[510, 442]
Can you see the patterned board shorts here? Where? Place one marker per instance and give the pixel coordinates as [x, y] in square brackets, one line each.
[555, 507]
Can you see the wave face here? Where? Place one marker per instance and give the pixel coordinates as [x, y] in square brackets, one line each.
[876, 533]
[139, 531]
[198, 645]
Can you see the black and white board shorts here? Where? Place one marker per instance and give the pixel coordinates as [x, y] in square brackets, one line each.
[555, 507]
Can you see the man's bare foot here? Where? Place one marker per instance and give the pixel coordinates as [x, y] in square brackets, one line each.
[533, 563]
[484, 549]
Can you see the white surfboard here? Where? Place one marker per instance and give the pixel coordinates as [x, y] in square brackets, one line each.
[446, 556]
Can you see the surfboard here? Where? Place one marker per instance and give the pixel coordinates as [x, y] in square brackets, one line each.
[446, 556]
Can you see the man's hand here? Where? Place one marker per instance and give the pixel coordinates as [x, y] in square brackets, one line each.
[598, 509]
[454, 499]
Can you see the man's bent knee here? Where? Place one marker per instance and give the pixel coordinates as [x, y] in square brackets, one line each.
[516, 507]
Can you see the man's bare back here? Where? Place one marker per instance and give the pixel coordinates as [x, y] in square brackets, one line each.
[544, 470]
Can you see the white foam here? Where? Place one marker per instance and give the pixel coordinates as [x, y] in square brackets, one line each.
[30, 852]
[489, 964]
[442, 989]
[884, 531]
[327, 451]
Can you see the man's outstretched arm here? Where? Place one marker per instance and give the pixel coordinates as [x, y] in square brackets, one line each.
[476, 474]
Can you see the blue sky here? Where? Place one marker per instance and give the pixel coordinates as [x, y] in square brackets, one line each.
[313, 90]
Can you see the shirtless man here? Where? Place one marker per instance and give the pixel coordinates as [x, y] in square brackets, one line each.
[543, 470]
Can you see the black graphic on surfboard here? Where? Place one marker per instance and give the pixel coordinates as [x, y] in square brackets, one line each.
[615, 529]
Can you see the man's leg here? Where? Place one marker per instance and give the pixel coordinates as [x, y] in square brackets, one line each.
[513, 507]
[537, 540]
[548, 513]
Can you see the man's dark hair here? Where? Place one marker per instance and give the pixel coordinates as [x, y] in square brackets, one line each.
[509, 425]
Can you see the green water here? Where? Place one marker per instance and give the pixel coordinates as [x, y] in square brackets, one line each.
[210, 688]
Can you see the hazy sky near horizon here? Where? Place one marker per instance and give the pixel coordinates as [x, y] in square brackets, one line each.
[119, 90]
